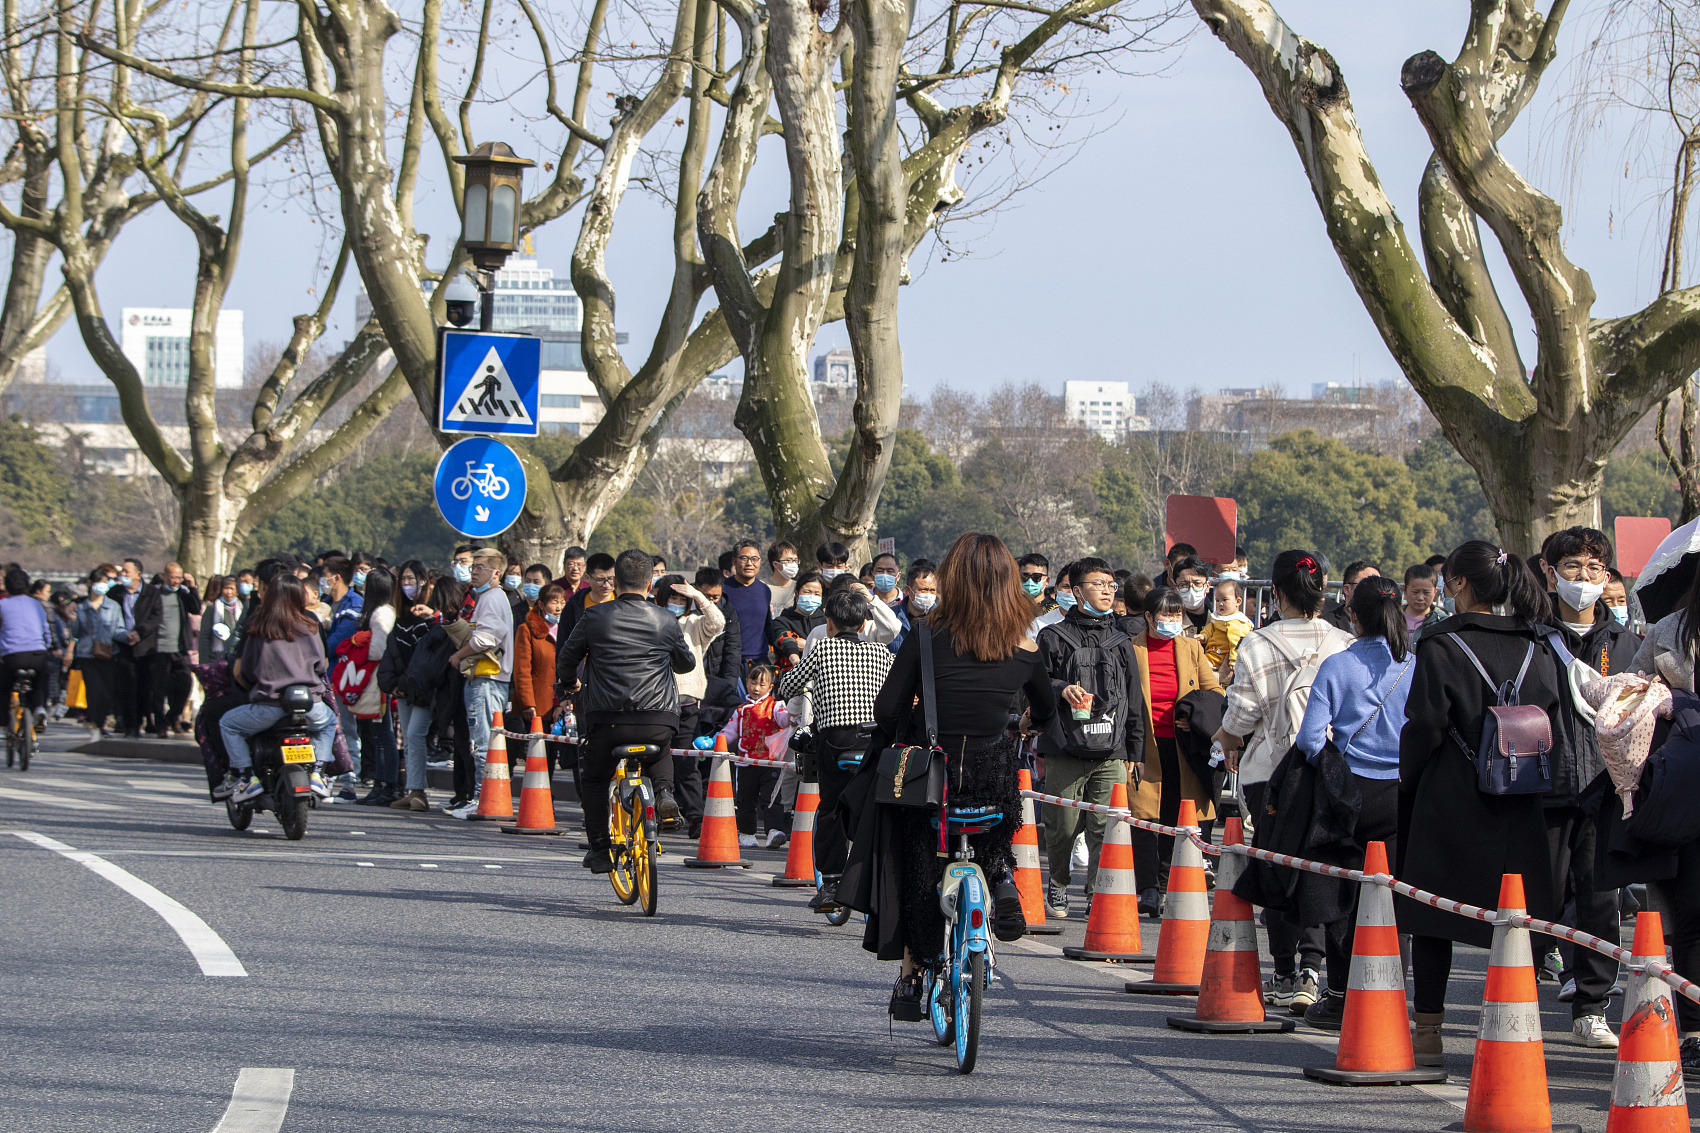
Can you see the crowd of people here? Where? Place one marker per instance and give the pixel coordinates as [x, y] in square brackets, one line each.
[1365, 701]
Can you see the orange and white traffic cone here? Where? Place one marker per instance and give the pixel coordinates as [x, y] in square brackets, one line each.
[1647, 1094]
[800, 859]
[720, 746]
[1375, 1036]
[1027, 877]
[495, 790]
[1230, 992]
[1186, 919]
[718, 846]
[1112, 928]
[536, 800]
[1508, 1080]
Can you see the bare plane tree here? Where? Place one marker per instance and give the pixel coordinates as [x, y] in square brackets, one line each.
[1539, 439]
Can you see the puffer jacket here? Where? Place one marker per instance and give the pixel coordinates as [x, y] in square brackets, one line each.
[633, 648]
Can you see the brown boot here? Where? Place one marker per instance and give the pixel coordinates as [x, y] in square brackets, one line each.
[1426, 1042]
[413, 800]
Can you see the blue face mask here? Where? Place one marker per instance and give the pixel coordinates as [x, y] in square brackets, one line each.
[885, 583]
[100, 588]
[324, 586]
[1086, 608]
[808, 603]
[1621, 613]
[511, 581]
[1166, 629]
[675, 609]
[463, 572]
[1034, 586]
[530, 591]
[552, 619]
[244, 588]
[1065, 599]
[481, 589]
[359, 579]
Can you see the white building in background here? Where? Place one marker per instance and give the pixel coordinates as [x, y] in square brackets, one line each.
[156, 341]
[1104, 407]
[835, 370]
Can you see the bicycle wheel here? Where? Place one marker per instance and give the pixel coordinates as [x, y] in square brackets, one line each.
[838, 915]
[622, 878]
[645, 857]
[939, 1008]
[27, 748]
[968, 999]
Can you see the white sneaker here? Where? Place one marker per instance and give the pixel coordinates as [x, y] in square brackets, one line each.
[320, 788]
[1078, 858]
[1592, 1031]
[247, 787]
[441, 764]
[748, 840]
[466, 811]
[777, 838]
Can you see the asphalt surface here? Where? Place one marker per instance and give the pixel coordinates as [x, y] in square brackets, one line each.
[410, 985]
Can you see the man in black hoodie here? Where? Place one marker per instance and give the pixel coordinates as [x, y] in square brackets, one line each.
[1577, 564]
[1086, 749]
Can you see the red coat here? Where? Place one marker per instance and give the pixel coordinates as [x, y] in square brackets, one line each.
[534, 667]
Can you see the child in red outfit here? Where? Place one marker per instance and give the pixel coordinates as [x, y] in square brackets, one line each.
[757, 788]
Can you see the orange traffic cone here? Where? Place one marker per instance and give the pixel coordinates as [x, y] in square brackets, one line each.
[1647, 1095]
[495, 791]
[1230, 995]
[1186, 919]
[718, 845]
[1375, 1037]
[1112, 928]
[720, 745]
[1027, 877]
[800, 859]
[536, 800]
[1508, 1080]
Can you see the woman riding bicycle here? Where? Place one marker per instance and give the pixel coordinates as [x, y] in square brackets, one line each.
[981, 658]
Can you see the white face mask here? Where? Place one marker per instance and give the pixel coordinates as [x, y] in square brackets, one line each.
[830, 573]
[1234, 574]
[923, 602]
[1579, 595]
[789, 570]
[1192, 597]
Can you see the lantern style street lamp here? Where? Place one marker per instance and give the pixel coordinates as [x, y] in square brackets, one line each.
[490, 222]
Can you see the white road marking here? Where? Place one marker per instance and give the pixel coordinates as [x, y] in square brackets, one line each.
[138, 795]
[369, 864]
[209, 949]
[259, 1102]
[427, 865]
[53, 800]
[487, 865]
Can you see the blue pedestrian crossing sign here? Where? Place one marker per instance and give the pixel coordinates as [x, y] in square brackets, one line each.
[487, 383]
[480, 487]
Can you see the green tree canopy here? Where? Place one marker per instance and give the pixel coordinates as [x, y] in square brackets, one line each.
[32, 486]
[1448, 487]
[1305, 491]
[1639, 483]
[386, 506]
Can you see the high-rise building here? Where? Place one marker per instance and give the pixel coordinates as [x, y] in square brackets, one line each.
[156, 341]
[1104, 407]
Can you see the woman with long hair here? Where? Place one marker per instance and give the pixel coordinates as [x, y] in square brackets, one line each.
[1455, 840]
[1358, 699]
[414, 618]
[282, 648]
[372, 712]
[982, 658]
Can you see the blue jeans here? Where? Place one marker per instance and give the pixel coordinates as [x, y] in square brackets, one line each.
[251, 719]
[485, 696]
[416, 734]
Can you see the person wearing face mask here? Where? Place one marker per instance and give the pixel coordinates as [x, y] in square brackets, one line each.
[536, 638]
[163, 638]
[1178, 553]
[1035, 578]
[460, 566]
[782, 575]
[229, 611]
[920, 595]
[96, 632]
[513, 582]
[832, 560]
[1172, 665]
[1190, 579]
[337, 588]
[805, 613]
[882, 625]
[1578, 567]
[489, 653]
[703, 622]
[414, 619]
[885, 581]
[1616, 596]
[537, 576]
[1099, 721]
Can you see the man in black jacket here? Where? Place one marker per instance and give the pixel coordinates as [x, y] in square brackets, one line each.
[1092, 662]
[162, 644]
[1576, 564]
[630, 697]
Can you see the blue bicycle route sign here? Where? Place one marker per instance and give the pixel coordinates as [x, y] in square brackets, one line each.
[488, 383]
[480, 487]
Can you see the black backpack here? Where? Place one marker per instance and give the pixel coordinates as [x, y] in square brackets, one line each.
[428, 668]
[1103, 672]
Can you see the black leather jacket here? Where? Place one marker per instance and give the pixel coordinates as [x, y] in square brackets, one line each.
[633, 649]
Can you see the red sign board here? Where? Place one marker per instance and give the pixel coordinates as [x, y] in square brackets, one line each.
[1207, 522]
[1637, 538]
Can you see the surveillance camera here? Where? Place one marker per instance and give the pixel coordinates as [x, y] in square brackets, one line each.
[460, 301]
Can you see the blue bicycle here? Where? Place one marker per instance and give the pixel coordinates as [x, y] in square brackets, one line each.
[956, 986]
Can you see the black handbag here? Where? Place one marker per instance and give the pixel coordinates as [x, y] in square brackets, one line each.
[913, 776]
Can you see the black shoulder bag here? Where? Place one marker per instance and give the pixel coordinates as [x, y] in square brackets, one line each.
[912, 776]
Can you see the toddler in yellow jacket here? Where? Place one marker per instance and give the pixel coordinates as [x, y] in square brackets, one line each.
[1228, 624]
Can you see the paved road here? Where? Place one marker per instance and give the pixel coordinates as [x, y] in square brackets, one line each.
[422, 974]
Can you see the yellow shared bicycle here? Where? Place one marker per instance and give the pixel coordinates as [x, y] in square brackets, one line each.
[20, 722]
[636, 848]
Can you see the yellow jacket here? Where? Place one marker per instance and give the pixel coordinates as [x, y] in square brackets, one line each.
[1222, 636]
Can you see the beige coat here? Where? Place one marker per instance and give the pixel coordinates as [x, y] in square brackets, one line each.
[1193, 672]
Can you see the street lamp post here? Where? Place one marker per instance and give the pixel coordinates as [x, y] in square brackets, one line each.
[490, 224]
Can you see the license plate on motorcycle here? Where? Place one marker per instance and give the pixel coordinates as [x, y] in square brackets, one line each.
[298, 753]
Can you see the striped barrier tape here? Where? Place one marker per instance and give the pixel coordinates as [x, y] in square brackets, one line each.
[740, 760]
[1576, 936]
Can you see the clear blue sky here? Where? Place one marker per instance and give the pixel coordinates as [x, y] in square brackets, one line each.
[1181, 243]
